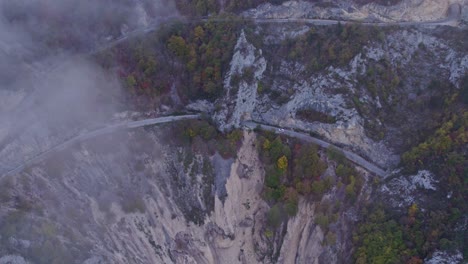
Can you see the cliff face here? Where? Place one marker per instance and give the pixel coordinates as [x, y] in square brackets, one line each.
[137, 201]
[128, 198]
[241, 97]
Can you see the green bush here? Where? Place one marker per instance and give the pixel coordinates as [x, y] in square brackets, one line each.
[336, 154]
[311, 115]
[308, 163]
[133, 204]
[318, 188]
[272, 180]
[322, 220]
[275, 216]
[330, 238]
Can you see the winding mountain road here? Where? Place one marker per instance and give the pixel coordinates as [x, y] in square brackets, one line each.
[98, 132]
[453, 19]
[305, 137]
[168, 119]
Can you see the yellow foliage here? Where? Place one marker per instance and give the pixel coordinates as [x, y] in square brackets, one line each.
[266, 144]
[282, 163]
[191, 133]
[413, 209]
[199, 33]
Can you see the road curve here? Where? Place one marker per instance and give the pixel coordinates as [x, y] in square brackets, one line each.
[98, 132]
[305, 137]
[168, 119]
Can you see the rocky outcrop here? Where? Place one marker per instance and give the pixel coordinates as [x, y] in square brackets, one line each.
[403, 191]
[443, 257]
[464, 14]
[303, 240]
[241, 82]
[292, 9]
[406, 10]
[241, 216]
[12, 259]
[322, 91]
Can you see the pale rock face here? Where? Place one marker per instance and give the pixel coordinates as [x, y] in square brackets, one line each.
[464, 14]
[404, 45]
[303, 240]
[94, 260]
[143, 18]
[441, 257]
[424, 179]
[290, 9]
[238, 106]
[311, 94]
[410, 10]
[314, 93]
[241, 215]
[458, 66]
[12, 259]
[407, 10]
[403, 190]
[201, 106]
[278, 34]
[230, 233]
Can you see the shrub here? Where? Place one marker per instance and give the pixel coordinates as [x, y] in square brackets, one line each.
[322, 220]
[336, 154]
[291, 208]
[330, 239]
[311, 115]
[272, 180]
[133, 204]
[318, 188]
[275, 216]
[308, 163]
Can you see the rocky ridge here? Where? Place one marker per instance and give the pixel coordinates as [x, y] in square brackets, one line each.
[405, 11]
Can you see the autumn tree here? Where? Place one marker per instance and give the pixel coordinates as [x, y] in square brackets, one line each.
[308, 163]
[198, 33]
[177, 45]
[131, 82]
[282, 163]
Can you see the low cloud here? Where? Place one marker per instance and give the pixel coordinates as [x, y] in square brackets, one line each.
[49, 90]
